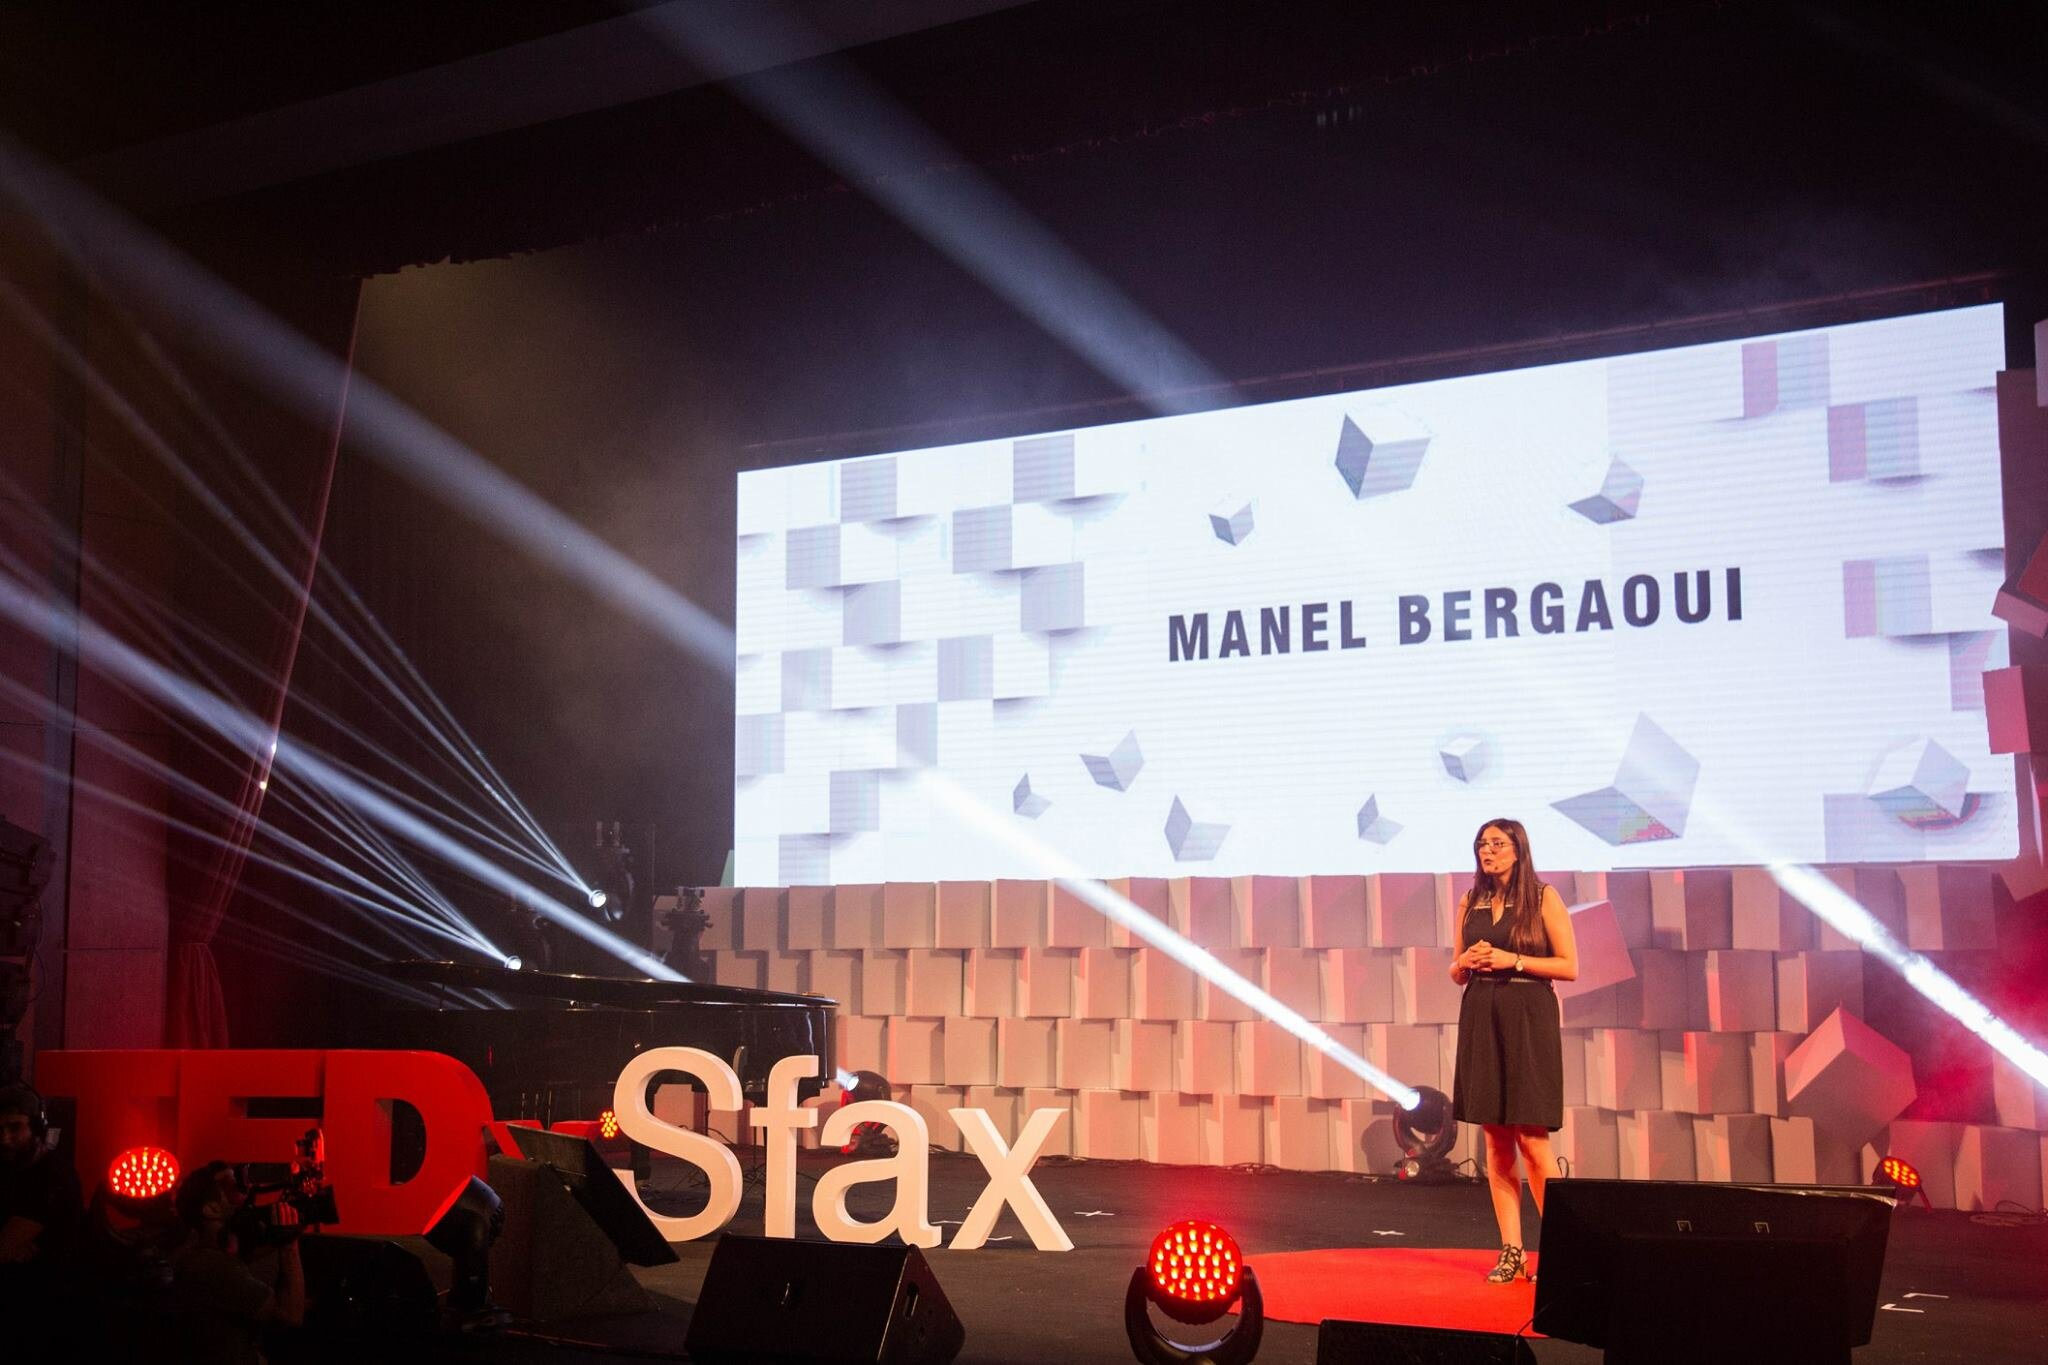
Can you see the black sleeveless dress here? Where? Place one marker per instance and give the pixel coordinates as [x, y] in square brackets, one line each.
[1510, 1052]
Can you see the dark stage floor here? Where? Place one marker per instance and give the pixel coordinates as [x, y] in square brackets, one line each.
[1022, 1305]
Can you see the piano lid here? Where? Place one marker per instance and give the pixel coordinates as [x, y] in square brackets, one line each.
[627, 992]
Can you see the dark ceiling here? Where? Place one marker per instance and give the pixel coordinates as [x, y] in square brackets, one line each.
[404, 133]
[85, 77]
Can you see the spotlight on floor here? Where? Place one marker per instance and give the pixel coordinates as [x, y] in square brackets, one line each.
[1426, 1133]
[514, 962]
[598, 898]
[1193, 1274]
[869, 1139]
[1898, 1175]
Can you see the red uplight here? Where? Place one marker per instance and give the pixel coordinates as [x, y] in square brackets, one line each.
[608, 1125]
[142, 1173]
[1195, 1263]
[1900, 1173]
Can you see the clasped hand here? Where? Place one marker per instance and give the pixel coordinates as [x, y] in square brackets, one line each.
[1484, 957]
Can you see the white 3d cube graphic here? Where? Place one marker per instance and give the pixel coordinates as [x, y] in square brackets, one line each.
[1054, 598]
[1740, 991]
[1298, 1133]
[1381, 455]
[963, 915]
[1267, 911]
[1026, 1052]
[1920, 783]
[1118, 768]
[1603, 953]
[1170, 1128]
[1812, 986]
[1205, 1056]
[1849, 1079]
[867, 490]
[1409, 909]
[970, 1051]
[1466, 757]
[1423, 990]
[1651, 794]
[1027, 802]
[1878, 440]
[1784, 372]
[1591, 1142]
[1192, 840]
[1374, 827]
[989, 983]
[1733, 1147]
[1998, 1167]
[1232, 524]
[1621, 492]
[1929, 1148]
[1084, 1049]
[2019, 1100]
[2023, 602]
[1333, 912]
[1042, 468]
[1234, 1132]
[1656, 1144]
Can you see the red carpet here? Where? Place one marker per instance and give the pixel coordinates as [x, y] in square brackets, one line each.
[1423, 1287]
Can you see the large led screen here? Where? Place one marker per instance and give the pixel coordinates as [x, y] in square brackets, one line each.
[1723, 604]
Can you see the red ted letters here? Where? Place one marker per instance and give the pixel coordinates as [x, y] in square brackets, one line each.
[196, 1103]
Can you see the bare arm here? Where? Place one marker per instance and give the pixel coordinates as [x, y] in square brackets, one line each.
[1461, 961]
[1563, 962]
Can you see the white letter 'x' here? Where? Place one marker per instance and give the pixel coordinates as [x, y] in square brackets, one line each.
[1009, 1180]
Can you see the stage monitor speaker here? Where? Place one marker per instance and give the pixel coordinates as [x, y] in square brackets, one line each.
[553, 1260]
[1683, 1271]
[774, 1299]
[1382, 1343]
[599, 1188]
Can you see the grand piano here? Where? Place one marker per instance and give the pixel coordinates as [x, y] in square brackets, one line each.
[553, 1049]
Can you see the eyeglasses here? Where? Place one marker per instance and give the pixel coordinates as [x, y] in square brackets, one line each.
[1492, 845]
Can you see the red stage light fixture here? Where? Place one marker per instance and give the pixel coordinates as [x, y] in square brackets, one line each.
[1193, 1274]
[142, 1173]
[1903, 1178]
[1196, 1269]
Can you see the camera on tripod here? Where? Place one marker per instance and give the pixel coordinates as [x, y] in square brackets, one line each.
[303, 1188]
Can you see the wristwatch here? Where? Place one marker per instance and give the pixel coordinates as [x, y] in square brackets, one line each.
[1518, 964]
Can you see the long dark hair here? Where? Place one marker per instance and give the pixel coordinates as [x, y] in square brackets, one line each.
[1523, 891]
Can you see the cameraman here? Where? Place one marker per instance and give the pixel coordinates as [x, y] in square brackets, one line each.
[39, 1195]
[217, 1297]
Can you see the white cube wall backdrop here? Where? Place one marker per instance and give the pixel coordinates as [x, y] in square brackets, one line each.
[1727, 1042]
